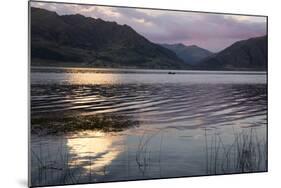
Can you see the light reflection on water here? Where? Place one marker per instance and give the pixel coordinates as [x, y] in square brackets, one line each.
[129, 78]
[174, 112]
[84, 76]
[93, 150]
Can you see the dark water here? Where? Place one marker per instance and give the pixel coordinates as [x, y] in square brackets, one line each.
[183, 117]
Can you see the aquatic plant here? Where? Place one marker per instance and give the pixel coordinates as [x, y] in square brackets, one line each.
[57, 125]
[247, 153]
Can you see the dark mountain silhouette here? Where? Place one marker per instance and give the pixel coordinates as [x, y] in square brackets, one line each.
[250, 54]
[77, 40]
[189, 54]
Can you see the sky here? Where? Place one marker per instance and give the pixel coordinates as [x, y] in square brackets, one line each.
[210, 31]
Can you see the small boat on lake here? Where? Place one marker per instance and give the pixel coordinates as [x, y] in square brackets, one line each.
[171, 73]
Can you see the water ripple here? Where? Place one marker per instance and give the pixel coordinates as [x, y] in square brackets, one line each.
[171, 105]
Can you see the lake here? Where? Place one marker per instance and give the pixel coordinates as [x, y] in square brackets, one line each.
[188, 123]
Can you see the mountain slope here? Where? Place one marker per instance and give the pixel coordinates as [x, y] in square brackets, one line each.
[189, 54]
[248, 54]
[77, 40]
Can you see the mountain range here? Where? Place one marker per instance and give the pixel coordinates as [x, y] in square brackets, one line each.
[189, 54]
[83, 41]
[76, 40]
[250, 54]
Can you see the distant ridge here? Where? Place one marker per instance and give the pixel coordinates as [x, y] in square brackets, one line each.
[189, 54]
[250, 54]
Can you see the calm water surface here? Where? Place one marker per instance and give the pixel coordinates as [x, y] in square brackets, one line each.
[178, 114]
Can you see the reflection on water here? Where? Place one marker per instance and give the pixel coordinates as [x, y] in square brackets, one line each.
[166, 104]
[89, 78]
[93, 150]
[177, 114]
[84, 76]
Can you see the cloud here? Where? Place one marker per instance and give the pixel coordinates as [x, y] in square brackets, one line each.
[211, 31]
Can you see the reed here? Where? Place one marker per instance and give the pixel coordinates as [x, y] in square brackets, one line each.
[247, 153]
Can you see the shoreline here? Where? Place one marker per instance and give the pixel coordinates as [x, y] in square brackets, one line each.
[146, 71]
